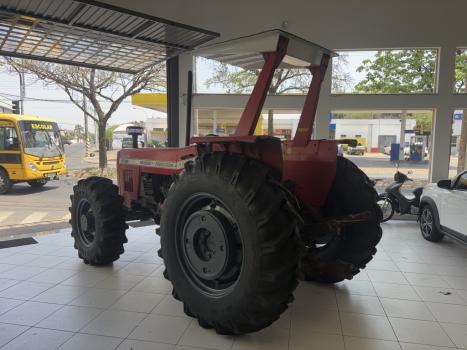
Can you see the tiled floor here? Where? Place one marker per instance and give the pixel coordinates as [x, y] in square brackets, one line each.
[413, 296]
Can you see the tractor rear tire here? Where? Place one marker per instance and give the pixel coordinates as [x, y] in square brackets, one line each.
[343, 257]
[229, 243]
[97, 221]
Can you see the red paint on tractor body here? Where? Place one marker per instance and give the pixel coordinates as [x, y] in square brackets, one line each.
[161, 161]
[312, 168]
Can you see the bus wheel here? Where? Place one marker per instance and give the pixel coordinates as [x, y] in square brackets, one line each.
[5, 182]
[37, 183]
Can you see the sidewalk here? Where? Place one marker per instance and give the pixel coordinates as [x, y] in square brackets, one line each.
[111, 158]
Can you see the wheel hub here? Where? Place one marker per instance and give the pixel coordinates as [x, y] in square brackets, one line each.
[86, 226]
[426, 221]
[207, 239]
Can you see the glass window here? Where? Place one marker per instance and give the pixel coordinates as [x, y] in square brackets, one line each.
[458, 146]
[407, 71]
[460, 85]
[217, 78]
[380, 133]
[462, 183]
[8, 139]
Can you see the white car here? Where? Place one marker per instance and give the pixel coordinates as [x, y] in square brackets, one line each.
[443, 209]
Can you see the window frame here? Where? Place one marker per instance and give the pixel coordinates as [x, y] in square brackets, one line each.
[461, 175]
[3, 146]
[436, 72]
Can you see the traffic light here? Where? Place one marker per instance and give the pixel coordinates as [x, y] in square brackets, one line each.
[15, 107]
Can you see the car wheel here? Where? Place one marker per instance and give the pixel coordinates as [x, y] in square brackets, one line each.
[428, 224]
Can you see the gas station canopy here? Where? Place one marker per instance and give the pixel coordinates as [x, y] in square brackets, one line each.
[92, 34]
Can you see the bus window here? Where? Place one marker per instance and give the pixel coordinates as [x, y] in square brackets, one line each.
[8, 139]
[41, 139]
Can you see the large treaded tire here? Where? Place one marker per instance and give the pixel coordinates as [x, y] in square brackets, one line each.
[270, 253]
[106, 205]
[341, 258]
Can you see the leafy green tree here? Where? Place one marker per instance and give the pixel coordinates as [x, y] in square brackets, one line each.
[79, 130]
[424, 121]
[461, 71]
[398, 71]
[240, 81]
[109, 134]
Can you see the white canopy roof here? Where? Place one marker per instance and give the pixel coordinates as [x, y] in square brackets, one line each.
[246, 52]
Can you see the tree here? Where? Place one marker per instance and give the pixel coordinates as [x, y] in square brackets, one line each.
[461, 71]
[423, 122]
[109, 134]
[341, 79]
[240, 81]
[398, 71]
[78, 132]
[104, 91]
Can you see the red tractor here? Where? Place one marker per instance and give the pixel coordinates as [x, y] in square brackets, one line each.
[242, 218]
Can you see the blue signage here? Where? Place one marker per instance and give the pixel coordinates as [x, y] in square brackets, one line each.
[458, 115]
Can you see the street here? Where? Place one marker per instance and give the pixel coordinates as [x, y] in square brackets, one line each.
[25, 210]
[28, 207]
[74, 157]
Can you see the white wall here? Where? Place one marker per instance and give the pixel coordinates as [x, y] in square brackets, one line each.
[371, 129]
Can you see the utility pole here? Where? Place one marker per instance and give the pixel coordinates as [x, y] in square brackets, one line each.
[270, 122]
[22, 90]
[86, 135]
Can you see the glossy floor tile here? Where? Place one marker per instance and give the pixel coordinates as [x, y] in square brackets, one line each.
[412, 296]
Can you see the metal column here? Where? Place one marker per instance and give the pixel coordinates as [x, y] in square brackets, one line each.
[173, 92]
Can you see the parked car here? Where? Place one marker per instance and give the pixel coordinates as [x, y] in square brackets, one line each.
[127, 142]
[358, 150]
[443, 209]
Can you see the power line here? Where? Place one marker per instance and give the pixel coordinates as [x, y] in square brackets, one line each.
[47, 100]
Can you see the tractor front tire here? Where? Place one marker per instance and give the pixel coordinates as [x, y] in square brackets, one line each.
[229, 243]
[344, 256]
[97, 221]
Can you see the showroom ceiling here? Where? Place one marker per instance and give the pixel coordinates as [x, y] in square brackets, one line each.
[92, 34]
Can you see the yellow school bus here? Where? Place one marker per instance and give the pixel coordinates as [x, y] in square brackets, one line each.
[31, 150]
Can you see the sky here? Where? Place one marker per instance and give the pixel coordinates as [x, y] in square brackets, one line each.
[51, 102]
